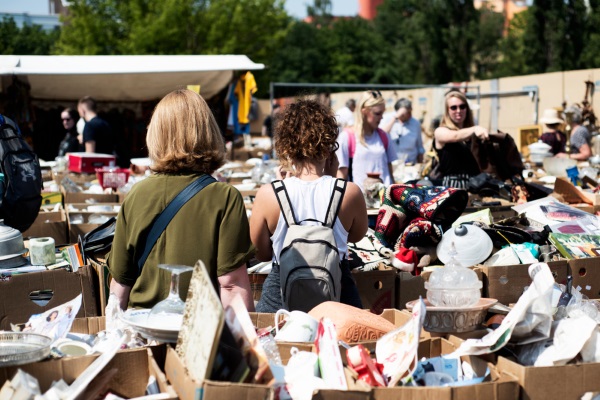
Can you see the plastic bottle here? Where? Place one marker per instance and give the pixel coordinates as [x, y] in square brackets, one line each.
[269, 345]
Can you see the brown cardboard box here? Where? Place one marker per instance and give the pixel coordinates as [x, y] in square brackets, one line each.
[377, 289]
[16, 305]
[506, 283]
[81, 197]
[50, 224]
[565, 382]
[134, 367]
[189, 389]
[408, 288]
[586, 275]
[81, 209]
[102, 276]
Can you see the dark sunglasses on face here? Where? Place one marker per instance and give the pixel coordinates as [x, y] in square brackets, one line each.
[375, 93]
[462, 106]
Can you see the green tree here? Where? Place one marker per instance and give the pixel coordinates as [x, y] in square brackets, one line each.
[28, 40]
[590, 57]
[512, 48]
[486, 53]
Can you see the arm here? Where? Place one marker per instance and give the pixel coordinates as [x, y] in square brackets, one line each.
[584, 153]
[387, 126]
[122, 293]
[265, 204]
[444, 135]
[90, 146]
[234, 283]
[355, 207]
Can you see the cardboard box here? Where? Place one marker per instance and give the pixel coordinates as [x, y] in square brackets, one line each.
[16, 306]
[189, 389]
[81, 210]
[88, 162]
[133, 369]
[586, 275]
[82, 197]
[50, 224]
[102, 276]
[565, 382]
[506, 283]
[377, 289]
[408, 288]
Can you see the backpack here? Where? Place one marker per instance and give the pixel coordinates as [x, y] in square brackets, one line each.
[309, 261]
[352, 146]
[21, 200]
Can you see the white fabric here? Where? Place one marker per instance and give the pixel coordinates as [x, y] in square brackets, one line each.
[123, 78]
[344, 117]
[372, 158]
[407, 137]
[309, 199]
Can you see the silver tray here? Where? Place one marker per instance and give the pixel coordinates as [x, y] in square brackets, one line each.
[18, 348]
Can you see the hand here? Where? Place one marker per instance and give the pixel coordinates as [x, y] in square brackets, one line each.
[402, 114]
[331, 165]
[481, 132]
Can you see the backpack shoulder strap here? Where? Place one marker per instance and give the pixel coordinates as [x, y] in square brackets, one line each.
[351, 142]
[335, 202]
[284, 203]
[384, 138]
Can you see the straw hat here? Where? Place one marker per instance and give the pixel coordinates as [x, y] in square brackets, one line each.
[550, 116]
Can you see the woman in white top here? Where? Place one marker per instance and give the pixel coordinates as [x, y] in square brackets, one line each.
[374, 151]
[305, 143]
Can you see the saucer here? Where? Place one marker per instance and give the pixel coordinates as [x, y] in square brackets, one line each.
[138, 320]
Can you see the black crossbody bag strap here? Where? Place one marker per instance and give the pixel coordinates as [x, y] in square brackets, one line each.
[161, 222]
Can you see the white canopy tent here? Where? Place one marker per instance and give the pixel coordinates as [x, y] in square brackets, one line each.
[121, 78]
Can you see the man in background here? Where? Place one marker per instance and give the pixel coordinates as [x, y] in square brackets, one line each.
[405, 131]
[345, 115]
[97, 133]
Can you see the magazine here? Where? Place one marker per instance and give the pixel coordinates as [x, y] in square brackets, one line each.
[561, 218]
[55, 322]
[574, 246]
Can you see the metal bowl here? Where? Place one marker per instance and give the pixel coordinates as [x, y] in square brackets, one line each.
[18, 348]
[454, 320]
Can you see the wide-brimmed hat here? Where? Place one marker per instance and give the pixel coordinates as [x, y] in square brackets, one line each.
[550, 116]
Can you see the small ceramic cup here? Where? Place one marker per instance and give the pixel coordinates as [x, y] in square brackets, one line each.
[299, 327]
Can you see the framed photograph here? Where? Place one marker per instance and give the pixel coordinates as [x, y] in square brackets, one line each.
[528, 134]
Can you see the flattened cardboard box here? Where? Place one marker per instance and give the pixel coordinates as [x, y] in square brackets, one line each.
[134, 367]
[16, 305]
[377, 289]
[50, 224]
[564, 382]
[506, 283]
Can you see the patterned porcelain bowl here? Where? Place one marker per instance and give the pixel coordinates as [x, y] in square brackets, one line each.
[454, 320]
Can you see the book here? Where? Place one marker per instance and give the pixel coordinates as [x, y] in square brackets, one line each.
[573, 246]
[561, 218]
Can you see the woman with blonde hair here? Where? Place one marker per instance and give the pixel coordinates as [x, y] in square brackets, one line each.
[364, 148]
[452, 141]
[184, 144]
[305, 143]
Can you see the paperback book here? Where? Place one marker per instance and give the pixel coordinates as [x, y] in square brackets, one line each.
[574, 246]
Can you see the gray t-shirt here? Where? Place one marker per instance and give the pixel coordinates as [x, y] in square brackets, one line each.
[579, 137]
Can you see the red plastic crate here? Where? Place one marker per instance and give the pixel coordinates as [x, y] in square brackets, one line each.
[112, 177]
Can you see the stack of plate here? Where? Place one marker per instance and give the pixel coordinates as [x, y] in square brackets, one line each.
[138, 320]
[11, 247]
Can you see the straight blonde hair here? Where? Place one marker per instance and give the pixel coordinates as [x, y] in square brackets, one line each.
[183, 135]
[369, 99]
[447, 121]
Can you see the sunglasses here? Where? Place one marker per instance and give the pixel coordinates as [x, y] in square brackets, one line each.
[462, 106]
[67, 119]
[375, 93]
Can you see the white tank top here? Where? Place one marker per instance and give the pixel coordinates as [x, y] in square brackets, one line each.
[309, 199]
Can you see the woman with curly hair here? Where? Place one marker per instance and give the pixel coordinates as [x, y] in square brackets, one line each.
[306, 136]
[184, 142]
[364, 148]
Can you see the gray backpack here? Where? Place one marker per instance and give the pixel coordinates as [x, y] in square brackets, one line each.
[309, 261]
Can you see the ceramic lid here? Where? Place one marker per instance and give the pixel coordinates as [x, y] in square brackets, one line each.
[11, 241]
[473, 245]
[539, 147]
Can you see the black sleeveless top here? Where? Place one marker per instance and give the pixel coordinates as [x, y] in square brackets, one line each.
[457, 158]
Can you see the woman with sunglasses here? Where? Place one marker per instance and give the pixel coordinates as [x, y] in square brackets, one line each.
[452, 141]
[305, 142]
[364, 148]
[70, 143]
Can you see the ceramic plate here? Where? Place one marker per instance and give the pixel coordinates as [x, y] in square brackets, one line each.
[138, 320]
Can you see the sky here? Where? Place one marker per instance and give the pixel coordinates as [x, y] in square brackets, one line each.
[296, 8]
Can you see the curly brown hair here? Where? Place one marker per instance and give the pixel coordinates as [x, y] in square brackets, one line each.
[305, 131]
